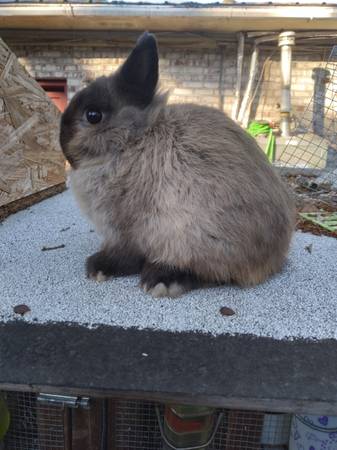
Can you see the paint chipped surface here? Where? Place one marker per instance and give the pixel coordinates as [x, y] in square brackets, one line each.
[298, 303]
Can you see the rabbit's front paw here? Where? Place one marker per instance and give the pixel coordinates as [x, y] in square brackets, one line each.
[114, 262]
[98, 267]
[163, 281]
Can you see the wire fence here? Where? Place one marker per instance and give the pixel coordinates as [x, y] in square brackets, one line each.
[313, 147]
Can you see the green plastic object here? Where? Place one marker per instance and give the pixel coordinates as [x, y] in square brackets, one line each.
[4, 418]
[258, 128]
[326, 220]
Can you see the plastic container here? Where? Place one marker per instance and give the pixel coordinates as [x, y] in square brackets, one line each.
[275, 431]
[188, 426]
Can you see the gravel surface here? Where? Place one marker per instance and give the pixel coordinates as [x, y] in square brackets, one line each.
[301, 302]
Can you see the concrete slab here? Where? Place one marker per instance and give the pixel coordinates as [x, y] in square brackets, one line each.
[300, 302]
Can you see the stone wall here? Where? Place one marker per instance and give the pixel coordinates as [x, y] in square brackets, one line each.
[206, 77]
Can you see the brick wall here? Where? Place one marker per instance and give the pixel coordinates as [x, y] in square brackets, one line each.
[192, 76]
[267, 102]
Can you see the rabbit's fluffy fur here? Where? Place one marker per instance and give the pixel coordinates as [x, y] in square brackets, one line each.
[180, 193]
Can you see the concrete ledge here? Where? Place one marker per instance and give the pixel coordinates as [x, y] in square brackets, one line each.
[228, 371]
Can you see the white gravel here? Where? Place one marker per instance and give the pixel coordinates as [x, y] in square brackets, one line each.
[301, 302]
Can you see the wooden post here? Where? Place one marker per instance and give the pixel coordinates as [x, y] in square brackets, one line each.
[87, 426]
[244, 112]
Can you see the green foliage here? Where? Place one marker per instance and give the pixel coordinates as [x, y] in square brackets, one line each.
[257, 128]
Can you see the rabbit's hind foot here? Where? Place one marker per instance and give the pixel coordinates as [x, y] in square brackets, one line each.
[164, 281]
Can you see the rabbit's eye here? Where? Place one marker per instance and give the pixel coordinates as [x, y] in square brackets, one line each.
[94, 116]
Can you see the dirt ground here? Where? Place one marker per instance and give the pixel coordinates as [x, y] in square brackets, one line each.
[312, 197]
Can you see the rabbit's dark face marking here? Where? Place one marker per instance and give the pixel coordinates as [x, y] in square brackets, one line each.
[75, 126]
[110, 103]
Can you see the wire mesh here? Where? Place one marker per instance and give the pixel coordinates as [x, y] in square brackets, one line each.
[134, 423]
[314, 143]
[136, 428]
[33, 426]
[240, 430]
[253, 430]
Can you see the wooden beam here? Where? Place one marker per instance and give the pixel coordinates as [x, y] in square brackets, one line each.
[82, 38]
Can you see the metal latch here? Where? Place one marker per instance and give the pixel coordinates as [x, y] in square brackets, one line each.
[64, 401]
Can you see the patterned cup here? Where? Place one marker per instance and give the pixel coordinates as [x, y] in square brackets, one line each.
[313, 433]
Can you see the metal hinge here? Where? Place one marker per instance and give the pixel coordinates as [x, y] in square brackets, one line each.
[64, 401]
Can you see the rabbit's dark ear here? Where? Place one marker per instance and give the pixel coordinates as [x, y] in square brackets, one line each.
[137, 78]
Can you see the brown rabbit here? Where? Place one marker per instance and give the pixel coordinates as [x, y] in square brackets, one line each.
[180, 193]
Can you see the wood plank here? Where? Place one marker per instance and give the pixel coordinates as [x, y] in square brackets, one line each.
[26, 201]
[79, 38]
[111, 424]
[31, 158]
[88, 427]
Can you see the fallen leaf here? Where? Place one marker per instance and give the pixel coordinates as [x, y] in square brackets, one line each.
[309, 208]
[21, 309]
[225, 311]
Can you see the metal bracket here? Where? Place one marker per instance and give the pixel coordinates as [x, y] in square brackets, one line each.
[64, 401]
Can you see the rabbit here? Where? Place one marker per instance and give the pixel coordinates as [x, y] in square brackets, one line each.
[179, 192]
